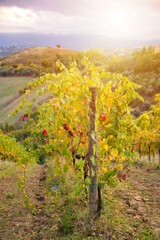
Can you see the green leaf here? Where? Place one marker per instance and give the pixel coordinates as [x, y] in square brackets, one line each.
[65, 150]
[33, 100]
[80, 174]
[23, 100]
[65, 168]
[80, 163]
[76, 140]
[44, 90]
[38, 93]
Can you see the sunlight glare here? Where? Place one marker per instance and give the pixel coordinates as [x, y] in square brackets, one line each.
[118, 21]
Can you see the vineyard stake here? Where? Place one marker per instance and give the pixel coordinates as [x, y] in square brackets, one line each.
[159, 149]
[92, 149]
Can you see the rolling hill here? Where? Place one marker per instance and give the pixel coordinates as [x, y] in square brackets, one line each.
[35, 55]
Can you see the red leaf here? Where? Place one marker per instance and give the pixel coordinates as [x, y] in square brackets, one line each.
[71, 133]
[65, 126]
[44, 132]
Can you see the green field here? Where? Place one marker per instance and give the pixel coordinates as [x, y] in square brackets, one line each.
[9, 95]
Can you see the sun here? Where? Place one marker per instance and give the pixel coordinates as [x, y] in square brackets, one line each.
[118, 18]
[117, 21]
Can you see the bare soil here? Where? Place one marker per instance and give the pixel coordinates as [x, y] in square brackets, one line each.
[139, 196]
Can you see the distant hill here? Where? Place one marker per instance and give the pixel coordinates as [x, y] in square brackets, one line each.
[35, 54]
[76, 42]
[5, 51]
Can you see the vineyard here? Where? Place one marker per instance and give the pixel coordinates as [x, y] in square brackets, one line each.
[86, 143]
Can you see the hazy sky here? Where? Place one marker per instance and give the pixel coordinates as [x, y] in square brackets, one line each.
[134, 19]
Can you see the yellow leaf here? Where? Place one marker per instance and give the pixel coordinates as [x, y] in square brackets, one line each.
[105, 147]
[109, 158]
[120, 159]
[114, 153]
[104, 170]
[119, 167]
[28, 92]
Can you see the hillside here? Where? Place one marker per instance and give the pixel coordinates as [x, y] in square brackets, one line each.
[35, 55]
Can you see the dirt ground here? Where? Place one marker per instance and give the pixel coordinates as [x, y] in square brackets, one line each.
[16, 221]
[139, 194]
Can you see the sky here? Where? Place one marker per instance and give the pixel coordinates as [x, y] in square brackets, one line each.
[131, 19]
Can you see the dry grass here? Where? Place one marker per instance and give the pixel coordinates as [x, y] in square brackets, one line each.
[154, 161]
[35, 55]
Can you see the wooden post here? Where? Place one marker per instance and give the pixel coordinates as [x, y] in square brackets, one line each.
[140, 151]
[159, 150]
[149, 153]
[93, 192]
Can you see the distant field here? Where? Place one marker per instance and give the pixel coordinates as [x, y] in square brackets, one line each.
[9, 94]
[10, 97]
[9, 88]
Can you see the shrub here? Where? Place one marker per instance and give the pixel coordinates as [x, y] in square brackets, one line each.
[22, 90]
[4, 64]
[29, 71]
[146, 105]
[20, 66]
[32, 65]
[36, 73]
[12, 72]
[46, 63]
[35, 145]
[1, 127]
[67, 224]
[137, 112]
[22, 134]
[4, 72]
[14, 65]
[42, 74]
